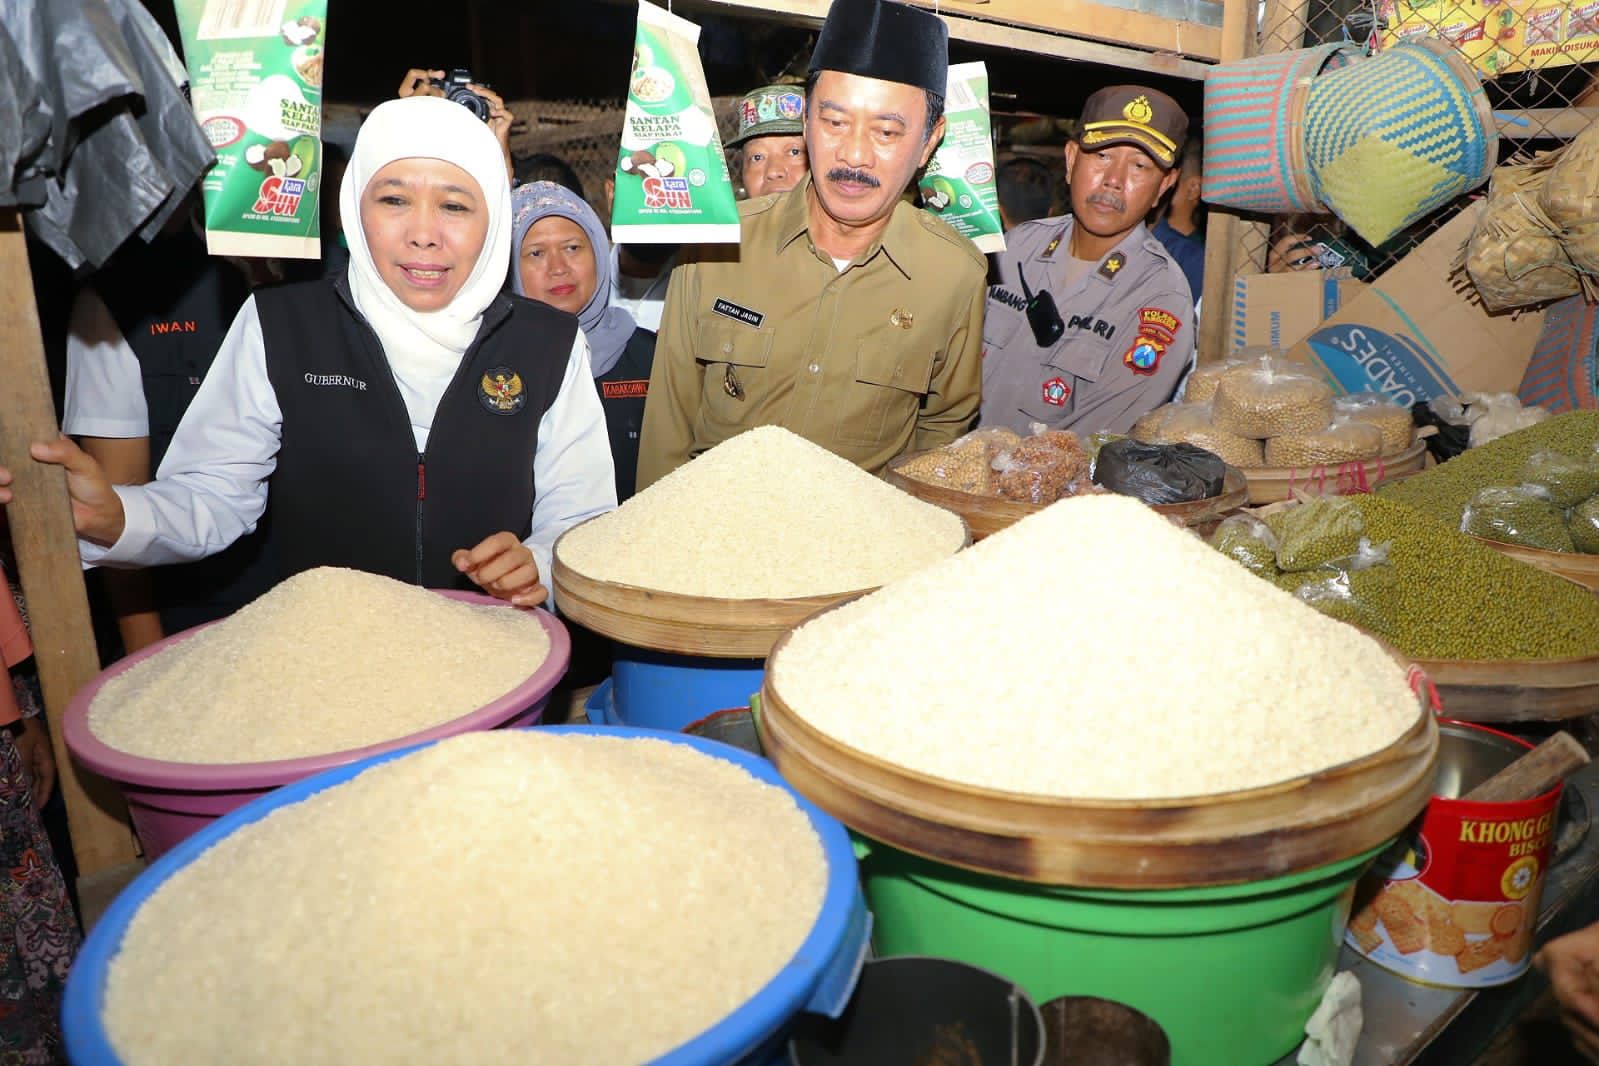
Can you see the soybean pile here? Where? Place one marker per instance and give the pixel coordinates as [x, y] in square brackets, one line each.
[497, 898]
[1535, 487]
[1093, 650]
[1414, 581]
[329, 660]
[765, 514]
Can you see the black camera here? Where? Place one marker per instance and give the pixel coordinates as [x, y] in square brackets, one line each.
[455, 86]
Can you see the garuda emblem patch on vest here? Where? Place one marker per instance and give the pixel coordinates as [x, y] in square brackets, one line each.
[501, 391]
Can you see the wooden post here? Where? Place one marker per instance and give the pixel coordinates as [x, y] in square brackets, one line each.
[47, 559]
[1227, 234]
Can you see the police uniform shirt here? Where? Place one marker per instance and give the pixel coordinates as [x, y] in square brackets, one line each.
[1128, 338]
[870, 362]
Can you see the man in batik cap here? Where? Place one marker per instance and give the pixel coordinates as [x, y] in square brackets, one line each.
[846, 314]
[771, 139]
[1091, 323]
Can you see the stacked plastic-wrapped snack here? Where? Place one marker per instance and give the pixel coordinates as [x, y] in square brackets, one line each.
[1344, 440]
[1202, 383]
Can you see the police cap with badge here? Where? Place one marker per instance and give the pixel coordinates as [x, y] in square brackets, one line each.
[885, 41]
[1136, 115]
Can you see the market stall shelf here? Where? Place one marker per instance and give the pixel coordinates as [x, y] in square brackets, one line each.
[987, 515]
[169, 801]
[1269, 484]
[1573, 566]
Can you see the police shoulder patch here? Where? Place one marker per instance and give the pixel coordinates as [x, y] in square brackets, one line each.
[1113, 264]
[500, 391]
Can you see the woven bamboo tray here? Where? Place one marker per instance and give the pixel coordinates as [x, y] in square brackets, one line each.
[1515, 691]
[1573, 566]
[1131, 844]
[1273, 484]
[987, 515]
[684, 625]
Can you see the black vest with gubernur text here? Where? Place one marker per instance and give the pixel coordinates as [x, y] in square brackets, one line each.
[350, 488]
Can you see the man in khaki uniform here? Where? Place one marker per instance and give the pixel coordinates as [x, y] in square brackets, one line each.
[845, 315]
[1091, 323]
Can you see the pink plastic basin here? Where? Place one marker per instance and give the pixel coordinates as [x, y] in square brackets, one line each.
[168, 801]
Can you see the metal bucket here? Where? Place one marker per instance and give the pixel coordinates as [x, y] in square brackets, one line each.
[1089, 1031]
[911, 1010]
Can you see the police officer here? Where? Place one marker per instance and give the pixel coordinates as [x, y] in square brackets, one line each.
[846, 314]
[771, 140]
[1091, 323]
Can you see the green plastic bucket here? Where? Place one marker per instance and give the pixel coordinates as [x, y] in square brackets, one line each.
[1232, 972]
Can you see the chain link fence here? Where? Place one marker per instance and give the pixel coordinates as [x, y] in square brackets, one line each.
[1527, 54]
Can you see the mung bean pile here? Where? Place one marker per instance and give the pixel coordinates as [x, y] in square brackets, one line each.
[1094, 650]
[329, 660]
[1445, 490]
[495, 899]
[1427, 590]
[766, 514]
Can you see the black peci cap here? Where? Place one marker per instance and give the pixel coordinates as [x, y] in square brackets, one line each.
[884, 40]
[1136, 115]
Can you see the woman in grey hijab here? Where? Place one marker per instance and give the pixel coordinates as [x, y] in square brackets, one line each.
[562, 257]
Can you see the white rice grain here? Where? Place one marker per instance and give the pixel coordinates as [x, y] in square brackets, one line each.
[498, 898]
[1094, 650]
[766, 514]
[329, 660]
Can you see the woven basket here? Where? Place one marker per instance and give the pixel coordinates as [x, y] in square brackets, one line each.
[1393, 137]
[1514, 256]
[1564, 372]
[1254, 159]
[1570, 197]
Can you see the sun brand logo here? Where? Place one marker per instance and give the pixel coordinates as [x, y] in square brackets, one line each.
[279, 196]
[667, 192]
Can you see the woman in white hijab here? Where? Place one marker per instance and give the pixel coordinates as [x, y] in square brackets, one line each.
[406, 417]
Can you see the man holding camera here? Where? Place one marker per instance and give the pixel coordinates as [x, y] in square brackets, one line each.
[1091, 324]
[845, 315]
[481, 100]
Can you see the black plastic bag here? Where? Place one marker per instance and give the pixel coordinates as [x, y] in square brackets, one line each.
[1159, 473]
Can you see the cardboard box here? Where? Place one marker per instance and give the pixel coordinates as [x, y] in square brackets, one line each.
[1280, 310]
[1413, 335]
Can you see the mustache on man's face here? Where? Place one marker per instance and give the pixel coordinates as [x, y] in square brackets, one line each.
[1108, 199]
[850, 174]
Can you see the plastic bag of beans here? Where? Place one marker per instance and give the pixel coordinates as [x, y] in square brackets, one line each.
[1393, 421]
[1318, 532]
[1343, 441]
[1568, 481]
[1358, 595]
[1583, 525]
[962, 466]
[1148, 427]
[1191, 424]
[1272, 398]
[1200, 386]
[1249, 542]
[1517, 514]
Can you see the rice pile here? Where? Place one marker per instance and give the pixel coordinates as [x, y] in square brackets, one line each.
[329, 660]
[1094, 650]
[766, 514]
[507, 897]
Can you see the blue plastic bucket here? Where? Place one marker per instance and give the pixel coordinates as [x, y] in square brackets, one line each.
[819, 979]
[657, 690]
